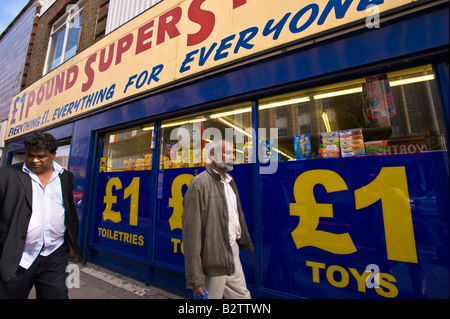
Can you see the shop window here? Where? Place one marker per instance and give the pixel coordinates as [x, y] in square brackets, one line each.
[184, 139]
[384, 114]
[64, 37]
[62, 155]
[128, 150]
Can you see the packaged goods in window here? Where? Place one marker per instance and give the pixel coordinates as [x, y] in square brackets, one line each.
[139, 164]
[248, 152]
[129, 164]
[352, 142]
[183, 159]
[376, 147]
[329, 145]
[378, 98]
[196, 158]
[268, 152]
[104, 168]
[205, 159]
[148, 161]
[132, 164]
[167, 156]
[302, 146]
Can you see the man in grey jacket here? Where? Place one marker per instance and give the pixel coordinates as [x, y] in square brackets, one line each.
[214, 229]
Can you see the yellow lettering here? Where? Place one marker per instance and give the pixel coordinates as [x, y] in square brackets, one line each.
[176, 202]
[315, 268]
[309, 211]
[391, 187]
[344, 276]
[361, 279]
[343, 279]
[175, 245]
[392, 290]
[110, 199]
[133, 191]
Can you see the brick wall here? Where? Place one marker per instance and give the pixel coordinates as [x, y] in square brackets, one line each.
[94, 15]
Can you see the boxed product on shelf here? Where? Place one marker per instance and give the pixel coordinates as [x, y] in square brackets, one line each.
[139, 164]
[268, 152]
[196, 158]
[148, 161]
[302, 146]
[351, 142]
[329, 146]
[248, 152]
[168, 157]
[376, 147]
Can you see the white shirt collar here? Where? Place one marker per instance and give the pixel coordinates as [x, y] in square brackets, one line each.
[56, 167]
[227, 177]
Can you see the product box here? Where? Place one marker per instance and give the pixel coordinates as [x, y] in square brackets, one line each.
[268, 152]
[376, 147]
[248, 152]
[352, 142]
[148, 161]
[329, 146]
[168, 156]
[139, 164]
[196, 158]
[302, 147]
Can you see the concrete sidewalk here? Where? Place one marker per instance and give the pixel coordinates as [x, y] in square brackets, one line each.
[96, 282]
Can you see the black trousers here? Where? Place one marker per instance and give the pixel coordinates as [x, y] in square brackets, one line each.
[47, 274]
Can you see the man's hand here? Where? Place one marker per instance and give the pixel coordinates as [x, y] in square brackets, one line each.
[199, 292]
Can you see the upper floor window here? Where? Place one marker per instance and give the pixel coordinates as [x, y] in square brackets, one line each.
[64, 37]
[122, 11]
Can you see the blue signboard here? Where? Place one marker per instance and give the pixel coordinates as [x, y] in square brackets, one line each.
[367, 227]
[172, 185]
[363, 227]
[122, 212]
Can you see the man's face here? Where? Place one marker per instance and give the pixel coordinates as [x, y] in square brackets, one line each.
[40, 161]
[227, 158]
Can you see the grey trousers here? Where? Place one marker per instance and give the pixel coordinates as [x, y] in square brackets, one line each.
[229, 287]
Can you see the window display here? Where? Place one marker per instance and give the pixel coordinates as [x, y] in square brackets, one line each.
[184, 139]
[128, 150]
[384, 114]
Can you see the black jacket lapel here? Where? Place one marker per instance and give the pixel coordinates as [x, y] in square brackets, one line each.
[26, 183]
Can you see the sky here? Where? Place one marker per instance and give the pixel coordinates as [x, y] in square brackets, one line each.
[9, 9]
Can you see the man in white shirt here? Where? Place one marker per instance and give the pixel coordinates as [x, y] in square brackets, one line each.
[36, 233]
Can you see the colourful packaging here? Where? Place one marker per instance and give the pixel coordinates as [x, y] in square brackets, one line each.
[248, 152]
[376, 147]
[329, 145]
[302, 146]
[352, 142]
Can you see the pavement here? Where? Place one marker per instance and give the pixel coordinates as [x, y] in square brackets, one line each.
[89, 281]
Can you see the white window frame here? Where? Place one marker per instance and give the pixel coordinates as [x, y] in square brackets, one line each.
[72, 11]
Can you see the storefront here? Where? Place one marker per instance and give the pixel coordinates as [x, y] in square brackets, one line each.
[346, 195]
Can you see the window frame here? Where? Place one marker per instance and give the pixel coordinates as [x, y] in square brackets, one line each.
[64, 22]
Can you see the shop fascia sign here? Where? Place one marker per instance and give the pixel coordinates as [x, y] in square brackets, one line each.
[174, 40]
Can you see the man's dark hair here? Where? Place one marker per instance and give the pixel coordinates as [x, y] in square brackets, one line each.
[41, 141]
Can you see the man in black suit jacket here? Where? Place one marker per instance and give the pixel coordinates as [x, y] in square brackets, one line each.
[38, 223]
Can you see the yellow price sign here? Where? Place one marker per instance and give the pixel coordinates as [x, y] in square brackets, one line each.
[110, 199]
[390, 186]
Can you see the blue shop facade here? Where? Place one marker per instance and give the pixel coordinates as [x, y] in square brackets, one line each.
[350, 196]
